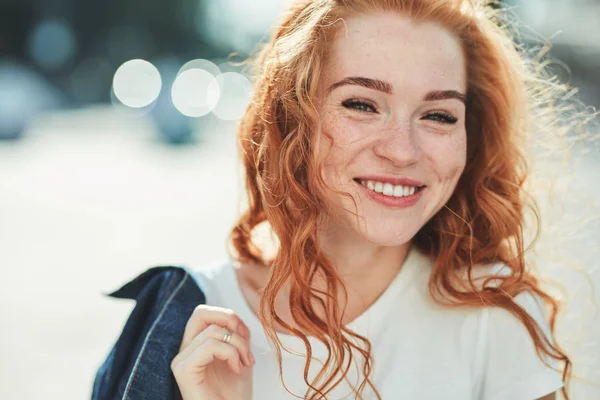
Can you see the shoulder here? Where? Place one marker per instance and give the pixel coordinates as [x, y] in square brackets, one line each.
[213, 278]
[502, 354]
[510, 365]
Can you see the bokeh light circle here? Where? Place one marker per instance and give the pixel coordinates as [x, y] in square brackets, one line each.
[228, 95]
[52, 43]
[137, 83]
[190, 92]
[200, 63]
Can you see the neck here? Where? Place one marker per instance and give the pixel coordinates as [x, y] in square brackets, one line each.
[366, 269]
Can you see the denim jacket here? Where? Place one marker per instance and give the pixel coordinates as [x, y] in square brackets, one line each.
[138, 366]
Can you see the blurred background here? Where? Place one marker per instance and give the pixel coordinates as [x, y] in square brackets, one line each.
[117, 153]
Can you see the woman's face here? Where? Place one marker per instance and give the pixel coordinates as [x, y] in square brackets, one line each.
[392, 99]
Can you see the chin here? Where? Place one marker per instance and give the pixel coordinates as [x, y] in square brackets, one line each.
[387, 237]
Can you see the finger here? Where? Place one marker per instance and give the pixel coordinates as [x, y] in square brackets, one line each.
[205, 315]
[196, 362]
[217, 332]
[215, 349]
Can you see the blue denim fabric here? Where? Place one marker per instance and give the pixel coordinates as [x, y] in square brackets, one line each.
[139, 365]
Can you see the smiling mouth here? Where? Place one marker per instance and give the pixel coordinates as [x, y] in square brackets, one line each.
[387, 189]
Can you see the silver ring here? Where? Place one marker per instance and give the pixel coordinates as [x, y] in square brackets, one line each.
[227, 336]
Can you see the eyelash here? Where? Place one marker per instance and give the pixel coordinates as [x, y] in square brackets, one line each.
[446, 118]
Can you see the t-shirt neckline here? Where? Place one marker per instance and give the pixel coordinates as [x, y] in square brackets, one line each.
[371, 319]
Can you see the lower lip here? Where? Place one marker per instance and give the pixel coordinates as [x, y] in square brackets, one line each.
[393, 202]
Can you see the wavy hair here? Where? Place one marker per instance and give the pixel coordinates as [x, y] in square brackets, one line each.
[510, 95]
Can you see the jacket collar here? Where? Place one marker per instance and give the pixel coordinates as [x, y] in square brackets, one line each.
[139, 365]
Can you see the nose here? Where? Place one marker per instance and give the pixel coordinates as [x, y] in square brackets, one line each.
[399, 144]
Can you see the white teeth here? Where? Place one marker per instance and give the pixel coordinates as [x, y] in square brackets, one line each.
[390, 190]
[398, 191]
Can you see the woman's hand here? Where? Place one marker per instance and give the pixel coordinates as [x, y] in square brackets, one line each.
[206, 367]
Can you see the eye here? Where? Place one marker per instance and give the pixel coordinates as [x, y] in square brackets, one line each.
[359, 105]
[442, 117]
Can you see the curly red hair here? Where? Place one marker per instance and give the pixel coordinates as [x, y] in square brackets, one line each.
[482, 223]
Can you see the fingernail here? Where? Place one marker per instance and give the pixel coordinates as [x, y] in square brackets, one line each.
[252, 359]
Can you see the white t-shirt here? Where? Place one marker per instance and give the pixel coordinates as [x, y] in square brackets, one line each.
[421, 350]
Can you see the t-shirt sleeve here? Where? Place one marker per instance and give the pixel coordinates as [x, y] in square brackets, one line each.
[511, 367]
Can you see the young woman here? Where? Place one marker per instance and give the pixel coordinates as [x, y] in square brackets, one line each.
[383, 148]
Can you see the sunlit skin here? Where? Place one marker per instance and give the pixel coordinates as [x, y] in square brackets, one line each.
[392, 98]
[409, 124]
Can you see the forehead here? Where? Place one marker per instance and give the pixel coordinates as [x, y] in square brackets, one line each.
[392, 47]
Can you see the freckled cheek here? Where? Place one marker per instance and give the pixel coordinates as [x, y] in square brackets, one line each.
[344, 139]
[344, 132]
[449, 158]
[341, 151]
[458, 162]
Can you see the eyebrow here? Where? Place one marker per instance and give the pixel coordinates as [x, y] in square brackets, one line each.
[386, 87]
[375, 84]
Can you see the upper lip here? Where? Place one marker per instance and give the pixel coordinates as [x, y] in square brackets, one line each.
[392, 180]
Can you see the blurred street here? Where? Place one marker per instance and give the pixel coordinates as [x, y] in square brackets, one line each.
[88, 202]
